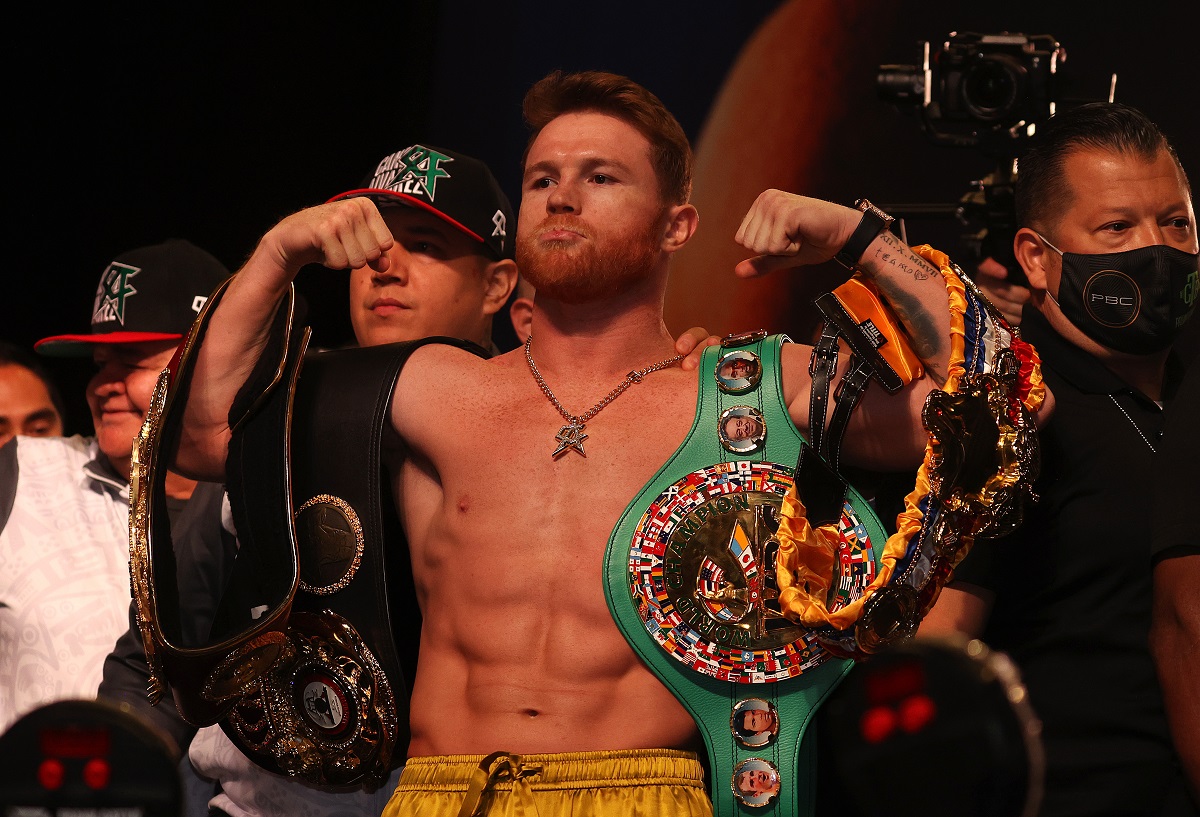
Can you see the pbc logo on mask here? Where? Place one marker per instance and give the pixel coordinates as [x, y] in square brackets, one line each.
[1112, 299]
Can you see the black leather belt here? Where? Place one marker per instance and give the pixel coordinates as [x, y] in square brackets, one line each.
[818, 471]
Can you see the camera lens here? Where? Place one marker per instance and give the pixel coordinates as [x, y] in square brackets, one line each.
[991, 87]
[902, 84]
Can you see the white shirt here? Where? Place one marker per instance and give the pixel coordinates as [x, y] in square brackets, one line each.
[64, 575]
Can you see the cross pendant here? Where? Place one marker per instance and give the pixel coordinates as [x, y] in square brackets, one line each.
[568, 437]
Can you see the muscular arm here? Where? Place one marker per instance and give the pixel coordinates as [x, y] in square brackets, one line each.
[787, 230]
[1175, 642]
[343, 234]
[914, 289]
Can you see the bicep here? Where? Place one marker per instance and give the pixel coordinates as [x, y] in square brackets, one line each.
[1176, 607]
[1175, 643]
[886, 431]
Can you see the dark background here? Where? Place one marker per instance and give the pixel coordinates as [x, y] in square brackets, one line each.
[136, 125]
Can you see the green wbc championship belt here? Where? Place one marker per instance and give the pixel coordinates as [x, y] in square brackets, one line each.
[690, 581]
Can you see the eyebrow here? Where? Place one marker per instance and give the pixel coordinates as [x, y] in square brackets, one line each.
[425, 231]
[548, 166]
[1130, 212]
[42, 414]
[537, 168]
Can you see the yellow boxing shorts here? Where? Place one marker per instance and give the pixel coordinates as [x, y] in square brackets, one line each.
[650, 782]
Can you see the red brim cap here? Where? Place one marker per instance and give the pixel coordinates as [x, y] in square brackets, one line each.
[376, 193]
[82, 345]
[457, 189]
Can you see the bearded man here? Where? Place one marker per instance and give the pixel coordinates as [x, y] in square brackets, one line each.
[507, 508]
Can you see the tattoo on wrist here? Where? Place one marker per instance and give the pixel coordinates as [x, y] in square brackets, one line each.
[927, 341]
[897, 255]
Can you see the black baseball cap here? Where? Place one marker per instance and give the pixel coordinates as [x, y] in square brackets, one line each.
[147, 294]
[458, 189]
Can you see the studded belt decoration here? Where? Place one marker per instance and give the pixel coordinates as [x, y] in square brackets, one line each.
[324, 710]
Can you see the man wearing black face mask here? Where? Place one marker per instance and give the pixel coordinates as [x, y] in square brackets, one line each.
[1134, 301]
[1108, 242]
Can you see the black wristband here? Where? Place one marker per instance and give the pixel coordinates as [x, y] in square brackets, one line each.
[874, 221]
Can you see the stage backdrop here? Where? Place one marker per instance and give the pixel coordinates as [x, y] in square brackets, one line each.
[134, 126]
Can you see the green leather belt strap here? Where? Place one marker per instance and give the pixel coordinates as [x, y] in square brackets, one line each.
[689, 580]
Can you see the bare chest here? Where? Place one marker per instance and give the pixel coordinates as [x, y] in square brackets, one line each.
[487, 484]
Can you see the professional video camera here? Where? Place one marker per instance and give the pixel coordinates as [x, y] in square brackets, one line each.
[979, 90]
[988, 92]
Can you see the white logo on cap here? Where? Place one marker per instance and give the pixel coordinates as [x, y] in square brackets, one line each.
[499, 221]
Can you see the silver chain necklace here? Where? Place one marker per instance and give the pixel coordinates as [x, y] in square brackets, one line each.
[571, 435]
[1136, 428]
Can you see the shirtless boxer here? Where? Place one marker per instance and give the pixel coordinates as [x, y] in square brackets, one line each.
[519, 652]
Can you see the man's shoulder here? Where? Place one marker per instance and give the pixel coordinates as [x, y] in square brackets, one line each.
[437, 348]
[440, 358]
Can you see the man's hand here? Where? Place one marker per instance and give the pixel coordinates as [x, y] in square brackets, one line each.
[786, 230]
[344, 234]
[1009, 298]
[692, 343]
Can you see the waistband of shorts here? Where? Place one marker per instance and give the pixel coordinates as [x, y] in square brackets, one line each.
[565, 770]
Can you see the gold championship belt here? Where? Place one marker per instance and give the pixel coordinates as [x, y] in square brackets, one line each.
[979, 467]
[199, 675]
[748, 586]
[302, 668]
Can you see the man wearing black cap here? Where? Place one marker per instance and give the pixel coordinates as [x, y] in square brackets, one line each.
[453, 226]
[64, 552]
[451, 273]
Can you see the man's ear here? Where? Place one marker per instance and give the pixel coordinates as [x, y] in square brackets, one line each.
[681, 224]
[499, 278]
[521, 315]
[1033, 255]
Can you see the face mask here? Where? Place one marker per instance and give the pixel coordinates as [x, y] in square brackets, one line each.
[1135, 301]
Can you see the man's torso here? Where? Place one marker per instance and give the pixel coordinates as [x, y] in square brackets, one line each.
[519, 650]
[1073, 588]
